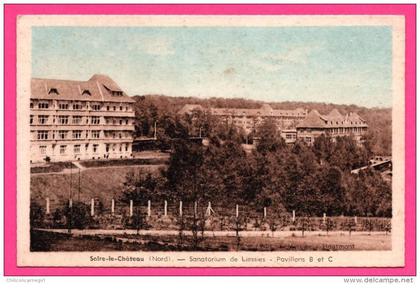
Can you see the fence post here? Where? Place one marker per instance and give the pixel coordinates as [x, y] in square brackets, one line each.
[149, 210]
[92, 207]
[324, 218]
[70, 203]
[195, 208]
[265, 212]
[209, 209]
[355, 219]
[293, 215]
[131, 208]
[48, 205]
[180, 208]
[237, 210]
[165, 208]
[112, 206]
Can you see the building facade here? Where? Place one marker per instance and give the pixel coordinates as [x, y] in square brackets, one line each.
[79, 120]
[332, 125]
[292, 124]
[249, 119]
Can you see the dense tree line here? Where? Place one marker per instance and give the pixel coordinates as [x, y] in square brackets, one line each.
[163, 109]
[311, 180]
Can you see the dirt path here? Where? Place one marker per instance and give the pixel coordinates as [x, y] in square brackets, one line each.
[282, 234]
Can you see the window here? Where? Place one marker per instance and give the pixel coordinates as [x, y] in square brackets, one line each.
[107, 108]
[76, 149]
[117, 93]
[43, 150]
[63, 106]
[107, 148]
[126, 121]
[115, 108]
[95, 148]
[308, 139]
[77, 119]
[95, 120]
[86, 93]
[62, 134]
[31, 119]
[121, 108]
[53, 91]
[63, 119]
[120, 148]
[31, 105]
[43, 105]
[77, 134]
[120, 121]
[96, 133]
[77, 106]
[96, 107]
[42, 135]
[63, 149]
[42, 119]
[126, 147]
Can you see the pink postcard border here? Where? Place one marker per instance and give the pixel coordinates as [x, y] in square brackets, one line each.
[13, 10]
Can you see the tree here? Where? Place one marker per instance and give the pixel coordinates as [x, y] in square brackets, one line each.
[78, 216]
[138, 187]
[269, 137]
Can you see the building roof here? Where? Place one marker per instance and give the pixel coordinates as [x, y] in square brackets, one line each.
[332, 120]
[314, 119]
[265, 110]
[97, 88]
[189, 108]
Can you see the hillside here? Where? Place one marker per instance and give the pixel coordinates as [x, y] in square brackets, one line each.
[101, 183]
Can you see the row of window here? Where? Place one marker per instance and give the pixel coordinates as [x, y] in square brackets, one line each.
[78, 134]
[64, 134]
[347, 130]
[76, 119]
[77, 148]
[80, 106]
[342, 122]
[290, 136]
[65, 119]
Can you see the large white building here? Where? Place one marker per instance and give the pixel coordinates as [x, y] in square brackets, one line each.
[249, 119]
[79, 120]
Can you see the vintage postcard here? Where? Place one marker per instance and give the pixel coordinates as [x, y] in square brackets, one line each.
[211, 141]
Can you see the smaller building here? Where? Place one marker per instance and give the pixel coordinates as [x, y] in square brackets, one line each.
[289, 135]
[333, 125]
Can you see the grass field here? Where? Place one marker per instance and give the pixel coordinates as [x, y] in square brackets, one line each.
[103, 183]
[49, 241]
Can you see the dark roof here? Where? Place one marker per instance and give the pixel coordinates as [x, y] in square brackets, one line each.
[332, 120]
[97, 88]
[265, 110]
[189, 108]
[314, 120]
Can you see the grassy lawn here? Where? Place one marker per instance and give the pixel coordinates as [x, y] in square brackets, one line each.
[48, 241]
[123, 162]
[52, 167]
[103, 183]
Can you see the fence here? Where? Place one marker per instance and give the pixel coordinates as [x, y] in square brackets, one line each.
[165, 215]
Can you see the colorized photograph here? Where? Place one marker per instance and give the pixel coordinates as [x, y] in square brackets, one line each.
[238, 139]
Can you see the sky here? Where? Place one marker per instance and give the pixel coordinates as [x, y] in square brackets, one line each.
[343, 65]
